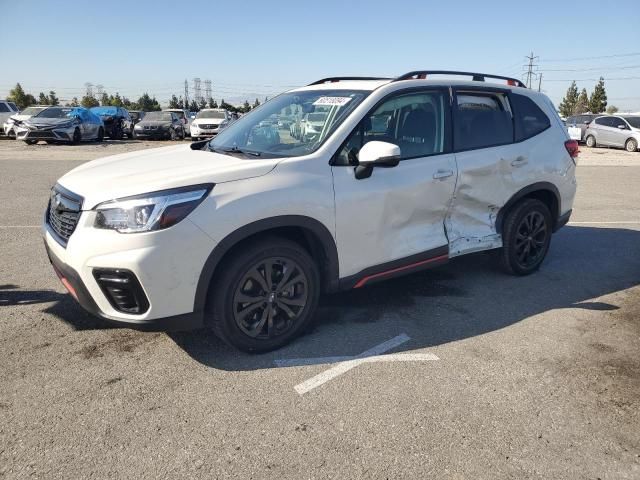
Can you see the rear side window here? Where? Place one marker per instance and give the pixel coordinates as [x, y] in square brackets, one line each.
[530, 119]
[604, 121]
[4, 107]
[482, 120]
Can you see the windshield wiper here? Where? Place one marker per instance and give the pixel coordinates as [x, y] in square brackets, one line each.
[242, 152]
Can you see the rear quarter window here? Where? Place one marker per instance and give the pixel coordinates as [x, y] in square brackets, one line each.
[482, 120]
[530, 120]
[4, 107]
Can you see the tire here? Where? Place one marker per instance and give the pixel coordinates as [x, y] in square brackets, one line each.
[30, 142]
[631, 145]
[100, 136]
[182, 135]
[522, 252]
[267, 323]
[591, 141]
[172, 134]
[76, 137]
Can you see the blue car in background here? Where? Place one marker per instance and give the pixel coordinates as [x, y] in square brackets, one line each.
[117, 121]
[61, 124]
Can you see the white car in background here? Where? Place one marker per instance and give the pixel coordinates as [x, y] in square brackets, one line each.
[26, 114]
[208, 122]
[7, 109]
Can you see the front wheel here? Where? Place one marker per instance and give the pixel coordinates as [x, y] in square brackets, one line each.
[76, 136]
[172, 134]
[631, 145]
[265, 295]
[526, 236]
[100, 137]
[591, 141]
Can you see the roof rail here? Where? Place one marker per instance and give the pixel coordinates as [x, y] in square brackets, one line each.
[339, 79]
[476, 77]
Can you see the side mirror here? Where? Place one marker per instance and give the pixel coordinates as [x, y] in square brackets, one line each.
[376, 154]
[587, 122]
[622, 127]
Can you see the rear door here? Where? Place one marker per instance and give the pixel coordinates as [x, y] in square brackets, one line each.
[605, 130]
[395, 218]
[619, 132]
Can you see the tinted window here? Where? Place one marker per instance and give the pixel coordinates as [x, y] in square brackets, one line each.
[617, 121]
[4, 107]
[602, 121]
[415, 122]
[571, 121]
[482, 120]
[530, 120]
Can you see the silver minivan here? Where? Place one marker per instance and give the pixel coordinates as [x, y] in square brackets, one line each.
[614, 131]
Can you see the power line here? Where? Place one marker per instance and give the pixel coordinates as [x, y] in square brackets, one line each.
[590, 69]
[591, 79]
[577, 59]
[530, 73]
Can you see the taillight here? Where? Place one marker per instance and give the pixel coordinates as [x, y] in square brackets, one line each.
[572, 148]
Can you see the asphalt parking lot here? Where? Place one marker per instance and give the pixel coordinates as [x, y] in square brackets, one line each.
[484, 375]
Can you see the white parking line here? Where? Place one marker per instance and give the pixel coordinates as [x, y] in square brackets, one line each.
[605, 223]
[20, 226]
[372, 355]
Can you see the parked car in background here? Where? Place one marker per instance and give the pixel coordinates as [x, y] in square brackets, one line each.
[208, 122]
[7, 109]
[622, 131]
[312, 125]
[117, 121]
[61, 124]
[160, 125]
[20, 117]
[185, 118]
[577, 125]
[136, 115]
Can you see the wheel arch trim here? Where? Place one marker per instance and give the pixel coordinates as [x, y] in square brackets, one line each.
[526, 191]
[319, 230]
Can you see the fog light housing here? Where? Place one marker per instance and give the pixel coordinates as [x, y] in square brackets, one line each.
[122, 289]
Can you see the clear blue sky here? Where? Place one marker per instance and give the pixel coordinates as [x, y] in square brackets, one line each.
[263, 47]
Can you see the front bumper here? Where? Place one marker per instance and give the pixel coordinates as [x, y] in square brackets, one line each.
[155, 134]
[201, 132]
[59, 134]
[166, 263]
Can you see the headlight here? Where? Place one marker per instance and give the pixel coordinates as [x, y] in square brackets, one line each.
[150, 211]
[138, 127]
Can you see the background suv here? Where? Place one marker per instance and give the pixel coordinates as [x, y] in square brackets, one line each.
[621, 131]
[577, 125]
[242, 233]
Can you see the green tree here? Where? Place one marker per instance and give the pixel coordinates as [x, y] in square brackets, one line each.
[22, 99]
[246, 107]
[213, 103]
[116, 100]
[126, 103]
[148, 104]
[598, 100]
[89, 101]
[43, 99]
[256, 103]
[612, 109]
[104, 100]
[53, 100]
[569, 101]
[74, 102]
[173, 103]
[582, 105]
[193, 106]
[203, 104]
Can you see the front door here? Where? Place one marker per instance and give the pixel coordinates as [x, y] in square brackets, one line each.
[397, 212]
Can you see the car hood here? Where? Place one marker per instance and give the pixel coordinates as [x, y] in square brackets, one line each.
[156, 169]
[47, 122]
[20, 117]
[154, 123]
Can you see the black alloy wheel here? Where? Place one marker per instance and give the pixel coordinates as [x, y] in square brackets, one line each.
[76, 136]
[263, 295]
[526, 237]
[270, 298]
[100, 137]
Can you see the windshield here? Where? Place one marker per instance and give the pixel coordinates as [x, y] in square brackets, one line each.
[56, 112]
[32, 110]
[633, 121]
[291, 124]
[179, 113]
[210, 114]
[158, 116]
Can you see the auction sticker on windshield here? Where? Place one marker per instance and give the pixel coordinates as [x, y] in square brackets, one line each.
[339, 101]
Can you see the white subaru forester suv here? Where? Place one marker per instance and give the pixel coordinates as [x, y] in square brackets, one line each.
[243, 233]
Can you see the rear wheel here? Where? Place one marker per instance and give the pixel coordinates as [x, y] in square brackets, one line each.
[76, 136]
[100, 137]
[591, 141]
[631, 145]
[526, 236]
[172, 134]
[30, 142]
[265, 295]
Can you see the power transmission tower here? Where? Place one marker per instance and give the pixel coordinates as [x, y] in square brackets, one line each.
[197, 90]
[99, 90]
[186, 94]
[207, 89]
[530, 73]
[89, 87]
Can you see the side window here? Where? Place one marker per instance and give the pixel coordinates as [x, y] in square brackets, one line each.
[617, 121]
[4, 107]
[416, 122]
[13, 107]
[571, 121]
[482, 120]
[601, 121]
[530, 119]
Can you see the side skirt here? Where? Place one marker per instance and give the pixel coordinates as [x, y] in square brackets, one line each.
[396, 268]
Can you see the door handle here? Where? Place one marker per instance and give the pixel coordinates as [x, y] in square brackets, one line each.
[520, 161]
[440, 174]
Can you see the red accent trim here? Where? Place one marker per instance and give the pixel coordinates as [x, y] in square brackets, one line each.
[399, 269]
[66, 283]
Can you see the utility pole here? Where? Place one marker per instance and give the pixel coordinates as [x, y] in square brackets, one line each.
[89, 87]
[207, 89]
[197, 90]
[186, 94]
[530, 67]
[539, 82]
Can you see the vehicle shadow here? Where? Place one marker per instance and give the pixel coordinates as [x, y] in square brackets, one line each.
[462, 299]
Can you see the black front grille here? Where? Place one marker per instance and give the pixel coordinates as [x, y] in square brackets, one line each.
[63, 213]
[207, 127]
[122, 289]
[41, 134]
